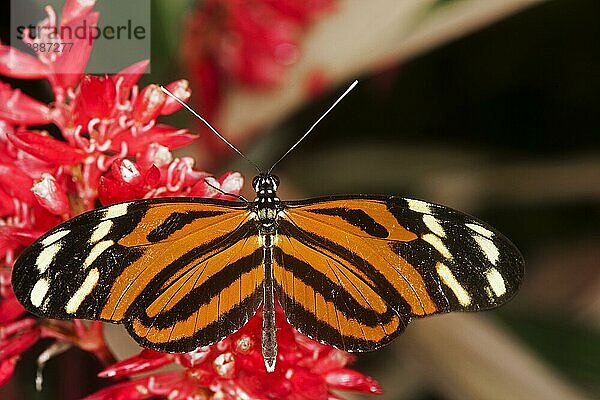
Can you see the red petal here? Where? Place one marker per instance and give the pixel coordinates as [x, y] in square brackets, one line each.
[16, 327]
[111, 192]
[148, 104]
[164, 135]
[308, 385]
[50, 195]
[129, 77]
[18, 344]
[12, 237]
[181, 90]
[126, 172]
[152, 176]
[348, 379]
[154, 154]
[69, 66]
[7, 207]
[164, 385]
[97, 97]
[15, 183]
[75, 9]
[20, 65]
[316, 82]
[46, 148]
[147, 360]
[11, 310]
[127, 181]
[7, 367]
[20, 109]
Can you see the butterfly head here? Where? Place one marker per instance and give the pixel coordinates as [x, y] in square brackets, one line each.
[265, 184]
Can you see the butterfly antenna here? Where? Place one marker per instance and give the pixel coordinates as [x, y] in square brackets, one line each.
[315, 124]
[218, 189]
[227, 142]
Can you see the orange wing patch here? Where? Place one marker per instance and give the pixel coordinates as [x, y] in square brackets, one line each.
[173, 244]
[355, 229]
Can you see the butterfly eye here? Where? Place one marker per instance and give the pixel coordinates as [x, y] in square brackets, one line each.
[275, 180]
[255, 182]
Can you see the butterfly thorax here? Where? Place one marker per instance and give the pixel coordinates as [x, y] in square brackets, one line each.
[266, 204]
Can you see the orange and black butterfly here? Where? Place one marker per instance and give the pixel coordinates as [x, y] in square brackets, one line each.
[349, 271]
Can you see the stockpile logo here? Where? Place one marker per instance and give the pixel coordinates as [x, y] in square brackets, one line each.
[119, 32]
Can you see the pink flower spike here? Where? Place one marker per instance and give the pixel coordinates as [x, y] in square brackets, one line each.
[75, 9]
[20, 109]
[50, 195]
[148, 104]
[20, 65]
[347, 379]
[181, 90]
[147, 360]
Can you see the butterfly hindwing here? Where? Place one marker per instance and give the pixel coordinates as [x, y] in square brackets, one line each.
[352, 271]
[179, 273]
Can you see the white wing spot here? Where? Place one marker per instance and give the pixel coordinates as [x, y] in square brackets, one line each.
[55, 236]
[481, 230]
[116, 211]
[418, 206]
[434, 225]
[449, 280]
[488, 247]
[98, 249]
[496, 281]
[44, 259]
[84, 290]
[38, 293]
[437, 243]
[101, 231]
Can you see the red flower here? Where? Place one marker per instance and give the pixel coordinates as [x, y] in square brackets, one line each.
[251, 43]
[45, 180]
[234, 368]
[16, 335]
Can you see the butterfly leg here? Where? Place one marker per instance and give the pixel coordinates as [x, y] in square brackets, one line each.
[269, 328]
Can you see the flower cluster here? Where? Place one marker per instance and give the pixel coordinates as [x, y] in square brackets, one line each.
[99, 142]
[104, 145]
[247, 42]
[234, 369]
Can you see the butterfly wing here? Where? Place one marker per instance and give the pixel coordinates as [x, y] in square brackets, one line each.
[352, 271]
[179, 273]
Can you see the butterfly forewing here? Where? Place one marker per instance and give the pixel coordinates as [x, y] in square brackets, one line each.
[179, 273]
[352, 271]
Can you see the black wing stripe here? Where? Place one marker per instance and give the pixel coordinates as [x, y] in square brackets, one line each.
[361, 267]
[357, 218]
[176, 221]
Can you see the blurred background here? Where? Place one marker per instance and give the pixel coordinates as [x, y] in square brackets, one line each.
[490, 107]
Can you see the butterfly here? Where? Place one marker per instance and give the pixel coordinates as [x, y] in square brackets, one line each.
[350, 271]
